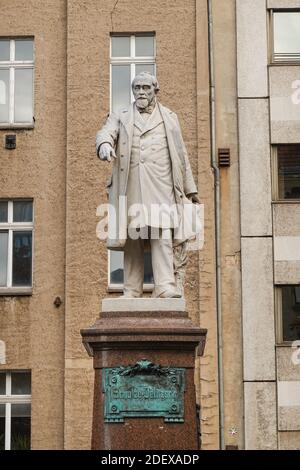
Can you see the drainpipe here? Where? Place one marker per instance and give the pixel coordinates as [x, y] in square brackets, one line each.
[217, 226]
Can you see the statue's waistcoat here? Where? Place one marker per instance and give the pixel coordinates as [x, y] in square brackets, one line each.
[150, 180]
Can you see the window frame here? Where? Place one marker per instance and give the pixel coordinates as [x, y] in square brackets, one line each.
[11, 227]
[271, 36]
[12, 65]
[112, 287]
[275, 177]
[131, 60]
[279, 316]
[7, 400]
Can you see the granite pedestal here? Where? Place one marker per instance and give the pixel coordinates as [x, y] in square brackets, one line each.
[144, 331]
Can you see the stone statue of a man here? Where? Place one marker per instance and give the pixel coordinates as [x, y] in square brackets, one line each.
[151, 172]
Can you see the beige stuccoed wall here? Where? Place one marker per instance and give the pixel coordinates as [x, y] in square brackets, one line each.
[89, 27]
[32, 328]
[226, 137]
[207, 372]
[56, 162]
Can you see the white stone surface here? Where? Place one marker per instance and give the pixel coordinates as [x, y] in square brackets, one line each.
[283, 3]
[288, 364]
[288, 388]
[286, 220]
[285, 104]
[258, 309]
[260, 416]
[255, 174]
[287, 248]
[252, 52]
[143, 305]
[289, 418]
[289, 440]
[287, 272]
[289, 393]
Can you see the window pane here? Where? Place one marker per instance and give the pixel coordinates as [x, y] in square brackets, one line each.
[20, 426]
[4, 95]
[117, 270]
[22, 258]
[3, 258]
[2, 383]
[120, 46]
[144, 46]
[2, 427]
[20, 383]
[23, 95]
[286, 33]
[291, 313]
[24, 49]
[3, 211]
[116, 267]
[22, 211]
[289, 171]
[121, 87]
[144, 68]
[4, 50]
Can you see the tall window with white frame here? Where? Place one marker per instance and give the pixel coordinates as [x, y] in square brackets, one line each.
[16, 82]
[15, 410]
[130, 55]
[16, 230]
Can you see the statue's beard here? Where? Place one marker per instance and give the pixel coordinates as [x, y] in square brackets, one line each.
[142, 103]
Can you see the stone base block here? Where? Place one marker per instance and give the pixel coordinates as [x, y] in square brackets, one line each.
[125, 340]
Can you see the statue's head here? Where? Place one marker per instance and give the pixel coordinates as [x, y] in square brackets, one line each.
[144, 87]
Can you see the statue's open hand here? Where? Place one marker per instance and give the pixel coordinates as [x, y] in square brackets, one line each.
[106, 152]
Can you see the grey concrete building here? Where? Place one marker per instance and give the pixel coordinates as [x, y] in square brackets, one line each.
[269, 113]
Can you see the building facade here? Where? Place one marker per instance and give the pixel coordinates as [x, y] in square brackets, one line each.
[229, 70]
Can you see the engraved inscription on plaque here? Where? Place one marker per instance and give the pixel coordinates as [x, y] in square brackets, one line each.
[144, 390]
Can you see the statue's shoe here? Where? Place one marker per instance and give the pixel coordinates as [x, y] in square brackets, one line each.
[170, 294]
[130, 295]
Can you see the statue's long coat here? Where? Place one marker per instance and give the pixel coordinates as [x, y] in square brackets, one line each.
[118, 131]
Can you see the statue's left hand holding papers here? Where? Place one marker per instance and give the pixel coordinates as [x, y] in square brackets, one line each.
[193, 197]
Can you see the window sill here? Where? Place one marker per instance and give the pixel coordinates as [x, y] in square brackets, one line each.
[15, 291]
[287, 344]
[10, 127]
[284, 63]
[286, 201]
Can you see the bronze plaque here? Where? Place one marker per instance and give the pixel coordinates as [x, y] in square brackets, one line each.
[144, 390]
